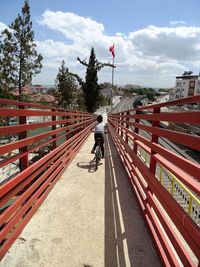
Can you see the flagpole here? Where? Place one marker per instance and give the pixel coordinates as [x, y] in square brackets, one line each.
[112, 50]
[112, 89]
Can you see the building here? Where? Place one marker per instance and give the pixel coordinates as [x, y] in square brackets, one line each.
[106, 92]
[36, 93]
[38, 89]
[186, 85]
[44, 98]
[172, 93]
[25, 90]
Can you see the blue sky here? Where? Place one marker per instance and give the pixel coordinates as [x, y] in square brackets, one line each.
[154, 40]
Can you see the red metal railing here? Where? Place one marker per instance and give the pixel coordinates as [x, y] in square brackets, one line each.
[176, 234]
[41, 151]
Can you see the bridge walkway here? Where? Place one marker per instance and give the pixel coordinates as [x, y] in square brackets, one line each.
[89, 219]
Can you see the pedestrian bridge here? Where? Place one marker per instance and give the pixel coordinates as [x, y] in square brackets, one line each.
[140, 208]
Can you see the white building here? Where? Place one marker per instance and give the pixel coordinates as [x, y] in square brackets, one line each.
[172, 94]
[187, 85]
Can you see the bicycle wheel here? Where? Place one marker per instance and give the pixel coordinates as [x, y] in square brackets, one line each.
[97, 156]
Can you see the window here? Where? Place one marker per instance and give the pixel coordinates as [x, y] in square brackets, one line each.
[191, 88]
[192, 84]
[178, 93]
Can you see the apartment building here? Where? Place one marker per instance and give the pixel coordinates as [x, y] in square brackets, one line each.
[186, 85]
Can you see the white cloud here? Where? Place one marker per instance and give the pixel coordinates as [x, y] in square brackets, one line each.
[178, 43]
[177, 22]
[153, 53]
[73, 27]
[3, 26]
[151, 56]
[52, 49]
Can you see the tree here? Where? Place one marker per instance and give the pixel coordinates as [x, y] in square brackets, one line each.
[106, 85]
[4, 93]
[66, 86]
[81, 102]
[151, 95]
[91, 88]
[19, 60]
[137, 103]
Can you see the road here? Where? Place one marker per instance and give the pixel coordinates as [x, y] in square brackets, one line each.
[122, 105]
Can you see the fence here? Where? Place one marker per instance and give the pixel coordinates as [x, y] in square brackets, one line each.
[40, 152]
[174, 227]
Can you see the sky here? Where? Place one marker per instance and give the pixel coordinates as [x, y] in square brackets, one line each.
[155, 40]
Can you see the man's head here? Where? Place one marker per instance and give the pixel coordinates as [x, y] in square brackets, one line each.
[99, 118]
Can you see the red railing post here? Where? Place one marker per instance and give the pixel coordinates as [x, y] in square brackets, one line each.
[53, 118]
[154, 139]
[67, 131]
[127, 125]
[75, 122]
[136, 130]
[116, 119]
[121, 123]
[23, 161]
[85, 119]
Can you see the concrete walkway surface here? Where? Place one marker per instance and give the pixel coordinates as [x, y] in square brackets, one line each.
[89, 219]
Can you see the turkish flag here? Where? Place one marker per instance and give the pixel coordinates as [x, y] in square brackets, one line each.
[112, 50]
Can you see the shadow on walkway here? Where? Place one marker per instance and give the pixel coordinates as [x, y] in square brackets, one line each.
[127, 241]
[91, 166]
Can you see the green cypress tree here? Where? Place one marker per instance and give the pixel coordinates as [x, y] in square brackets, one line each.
[19, 60]
[91, 88]
[66, 86]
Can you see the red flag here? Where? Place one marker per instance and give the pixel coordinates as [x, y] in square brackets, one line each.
[112, 50]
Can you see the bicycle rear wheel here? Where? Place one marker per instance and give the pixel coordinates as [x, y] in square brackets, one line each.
[97, 157]
[96, 162]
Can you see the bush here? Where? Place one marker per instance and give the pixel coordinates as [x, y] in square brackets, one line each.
[137, 103]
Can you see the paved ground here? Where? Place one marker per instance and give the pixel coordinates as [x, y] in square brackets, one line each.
[90, 219]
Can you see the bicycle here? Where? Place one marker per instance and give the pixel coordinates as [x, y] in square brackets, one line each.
[97, 153]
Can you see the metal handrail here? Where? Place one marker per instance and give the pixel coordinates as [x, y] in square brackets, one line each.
[22, 193]
[172, 226]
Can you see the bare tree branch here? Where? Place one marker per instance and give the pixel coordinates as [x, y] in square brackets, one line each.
[99, 65]
[83, 62]
[80, 81]
[102, 65]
